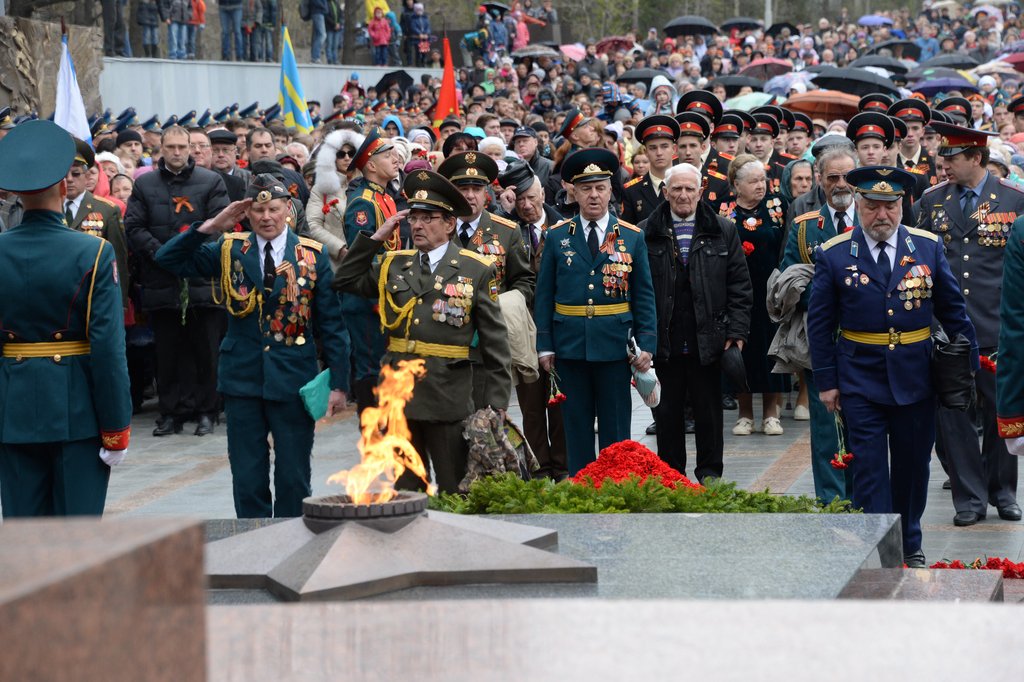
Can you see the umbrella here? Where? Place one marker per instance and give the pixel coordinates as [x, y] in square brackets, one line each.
[733, 84]
[1016, 60]
[935, 86]
[766, 68]
[989, 9]
[994, 66]
[775, 29]
[929, 72]
[887, 63]
[829, 104]
[574, 51]
[536, 50]
[1011, 48]
[749, 101]
[781, 85]
[614, 44]
[874, 20]
[945, 4]
[498, 7]
[854, 81]
[952, 61]
[399, 79]
[741, 24]
[689, 25]
[908, 49]
[641, 76]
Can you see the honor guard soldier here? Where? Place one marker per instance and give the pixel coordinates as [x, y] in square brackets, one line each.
[876, 102]
[880, 286]
[762, 145]
[594, 292]
[1010, 361]
[725, 137]
[784, 117]
[798, 142]
[1016, 107]
[369, 205]
[277, 291]
[709, 107]
[912, 156]
[65, 405]
[658, 135]
[435, 301]
[491, 236]
[692, 147]
[871, 134]
[972, 213]
[958, 109]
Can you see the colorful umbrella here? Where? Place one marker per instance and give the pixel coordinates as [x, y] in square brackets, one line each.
[874, 20]
[766, 68]
[831, 104]
[781, 85]
[574, 51]
[614, 44]
[940, 85]
[749, 101]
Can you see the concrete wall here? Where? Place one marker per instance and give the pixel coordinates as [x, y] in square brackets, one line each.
[164, 87]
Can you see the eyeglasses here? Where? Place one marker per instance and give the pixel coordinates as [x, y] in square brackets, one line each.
[345, 153]
[423, 219]
[198, 146]
[76, 174]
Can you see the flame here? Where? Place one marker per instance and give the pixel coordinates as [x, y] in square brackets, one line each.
[384, 445]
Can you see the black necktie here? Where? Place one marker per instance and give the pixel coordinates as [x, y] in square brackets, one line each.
[269, 271]
[424, 264]
[534, 240]
[969, 202]
[840, 222]
[592, 239]
[883, 262]
[68, 215]
[464, 235]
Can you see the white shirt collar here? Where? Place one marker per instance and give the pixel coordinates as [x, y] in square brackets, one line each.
[848, 213]
[75, 204]
[892, 243]
[602, 226]
[277, 245]
[436, 255]
[472, 225]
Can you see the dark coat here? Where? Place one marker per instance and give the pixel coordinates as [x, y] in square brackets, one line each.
[162, 204]
[719, 280]
[235, 186]
[151, 12]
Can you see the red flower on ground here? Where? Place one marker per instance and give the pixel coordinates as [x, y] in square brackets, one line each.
[628, 458]
[748, 248]
[1011, 570]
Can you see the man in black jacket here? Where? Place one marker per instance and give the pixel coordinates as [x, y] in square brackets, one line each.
[187, 323]
[704, 297]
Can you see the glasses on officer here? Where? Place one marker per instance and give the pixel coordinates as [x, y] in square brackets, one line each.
[423, 218]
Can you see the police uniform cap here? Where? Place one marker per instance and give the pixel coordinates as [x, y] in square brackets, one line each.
[910, 110]
[6, 122]
[127, 136]
[263, 187]
[876, 102]
[222, 136]
[880, 183]
[589, 165]
[748, 120]
[766, 124]
[802, 123]
[84, 154]
[469, 168]
[35, 155]
[573, 120]
[657, 126]
[692, 123]
[957, 108]
[429, 191]
[871, 124]
[958, 139]
[730, 126]
[375, 143]
[828, 141]
[702, 102]
[517, 175]
[1016, 106]
[524, 131]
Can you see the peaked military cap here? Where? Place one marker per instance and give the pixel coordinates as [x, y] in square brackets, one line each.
[6, 122]
[429, 191]
[911, 111]
[251, 111]
[375, 143]
[766, 124]
[469, 168]
[876, 102]
[880, 183]
[871, 124]
[98, 127]
[701, 102]
[692, 123]
[771, 110]
[745, 116]
[573, 120]
[205, 119]
[84, 154]
[272, 112]
[126, 123]
[589, 165]
[233, 111]
[35, 155]
[222, 115]
[730, 126]
[127, 113]
[264, 187]
[186, 120]
[172, 120]
[957, 108]
[899, 128]
[958, 139]
[788, 119]
[1016, 106]
[657, 126]
[802, 123]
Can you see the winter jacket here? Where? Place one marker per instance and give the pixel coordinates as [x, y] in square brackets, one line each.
[317, 7]
[719, 281]
[161, 205]
[151, 13]
[198, 13]
[252, 12]
[229, 4]
[380, 32]
[419, 25]
[269, 18]
[180, 11]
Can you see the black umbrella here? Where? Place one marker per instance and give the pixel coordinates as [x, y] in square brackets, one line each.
[897, 47]
[399, 79]
[641, 76]
[952, 61]
[536, 50]
[776, 29]
[932, 72]
[854, 81]
[887, 63]
[741, 24]
[498, 7]
[690, 25]
[733, 84]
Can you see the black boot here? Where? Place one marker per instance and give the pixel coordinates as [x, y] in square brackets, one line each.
[205, 425]
[166, 425]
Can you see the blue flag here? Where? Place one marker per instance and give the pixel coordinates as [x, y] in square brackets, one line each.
[291, 98]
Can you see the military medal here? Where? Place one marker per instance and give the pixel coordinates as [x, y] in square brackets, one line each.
[864, 279]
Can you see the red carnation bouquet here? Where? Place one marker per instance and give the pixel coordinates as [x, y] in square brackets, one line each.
[1010, 569]
[988, 362]
[841, 459]
[555, 395]
[628, 458]
[748, 248]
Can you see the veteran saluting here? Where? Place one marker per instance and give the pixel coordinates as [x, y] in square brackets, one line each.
[594, 291]
[65, 406]
[432, 300]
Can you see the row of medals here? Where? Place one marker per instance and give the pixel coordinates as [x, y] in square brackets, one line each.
[616, 273]
[917, 284]
[453, 309]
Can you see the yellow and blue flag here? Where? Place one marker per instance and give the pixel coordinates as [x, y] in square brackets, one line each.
[291, 98]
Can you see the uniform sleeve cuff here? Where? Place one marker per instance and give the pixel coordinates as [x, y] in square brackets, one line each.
[116, 440]
[1010, 427]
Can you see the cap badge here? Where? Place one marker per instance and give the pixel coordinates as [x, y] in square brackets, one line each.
[263, 197]
[423, 175]
[472, 171]
[470, 157]
[881, 187]
[884, 172]
[592, 168]
[421, 194]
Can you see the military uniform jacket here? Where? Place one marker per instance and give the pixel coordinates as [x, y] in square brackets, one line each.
[639, 198]
[444, 312]
[810, 230]
[500, 239]
[620, 273]
[974, 245]
[924, 171]
[268, 351]
[1010, 374]
[46, 271]
[847, 293]
[369, 205]
[102, 218]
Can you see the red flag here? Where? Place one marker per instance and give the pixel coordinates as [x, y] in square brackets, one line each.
[447, 104]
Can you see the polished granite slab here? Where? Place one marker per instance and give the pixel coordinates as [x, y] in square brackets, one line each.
[923, 584]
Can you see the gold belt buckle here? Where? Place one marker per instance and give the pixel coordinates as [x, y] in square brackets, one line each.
[590, 310]
[894, 338]
[410, 346]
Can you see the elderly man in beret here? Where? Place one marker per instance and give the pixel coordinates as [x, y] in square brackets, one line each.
[277, 291]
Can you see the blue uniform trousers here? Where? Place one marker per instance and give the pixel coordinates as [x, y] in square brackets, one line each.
[590, 388]
[891, 484]
[53, 479]
[250, 421]
[829, 482]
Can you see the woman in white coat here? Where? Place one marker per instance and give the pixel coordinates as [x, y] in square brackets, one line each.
[325, 211]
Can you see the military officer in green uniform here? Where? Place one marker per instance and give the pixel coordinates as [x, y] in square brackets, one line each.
[594, 292]
[1010, 358]
[433, 301]
[490, 235]
[65, 405]
[86, 212]
[277, 289]
[369, 205]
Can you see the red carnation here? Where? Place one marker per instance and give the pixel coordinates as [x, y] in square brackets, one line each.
[628, 458]
[748, 248]
[988, 363]
[328, 205]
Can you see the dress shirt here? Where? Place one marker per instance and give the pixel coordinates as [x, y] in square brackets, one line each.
[435, 255]
[890, 251]
[277, 245]
[76, 203]
[835, 219]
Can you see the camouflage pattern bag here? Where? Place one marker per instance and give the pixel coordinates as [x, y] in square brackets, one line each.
[495, 448]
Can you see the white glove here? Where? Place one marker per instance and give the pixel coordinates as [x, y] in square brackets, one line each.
[112, 457]
[1015, 446]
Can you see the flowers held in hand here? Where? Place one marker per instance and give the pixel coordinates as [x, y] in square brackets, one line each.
[748, 248]
[555, 395]
[1010, 569]
[988, 362]
[627, 458]
[841, 459]
[328, 205]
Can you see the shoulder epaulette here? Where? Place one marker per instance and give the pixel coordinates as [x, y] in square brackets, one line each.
[236, 235]
[403, 252]
[106, 201]
[367, 194]
[503, 221]
[629, 226]
[311, 243]
[1011, 185]
[935, 187]
[728, 157]
[838, 239]
[632, 182]
[810, 215]
[923, 233]
[716, 174]
[560, 224]
[786, 155]
[486, 260]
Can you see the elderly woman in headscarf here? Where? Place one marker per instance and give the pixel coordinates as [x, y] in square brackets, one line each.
[797, 178]
[325, 211]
